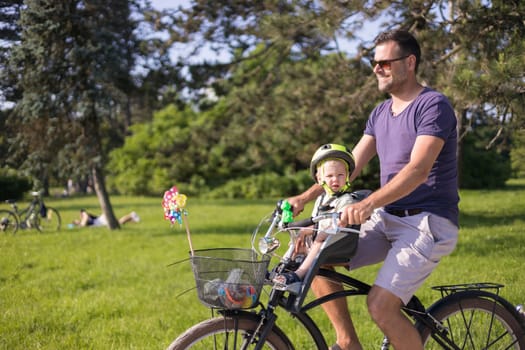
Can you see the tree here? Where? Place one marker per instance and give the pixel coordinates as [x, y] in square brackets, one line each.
[286, 88]
[232, 140]
[472, 51]
[74, 64]
[481, 65]
[9, 36]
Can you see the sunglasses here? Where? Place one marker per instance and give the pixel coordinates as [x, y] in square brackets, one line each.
[386, 64]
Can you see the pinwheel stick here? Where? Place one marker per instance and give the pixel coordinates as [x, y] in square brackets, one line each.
[185, 219]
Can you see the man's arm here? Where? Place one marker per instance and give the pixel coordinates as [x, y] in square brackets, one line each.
[363, 152]
[424, 153]
[298, 202]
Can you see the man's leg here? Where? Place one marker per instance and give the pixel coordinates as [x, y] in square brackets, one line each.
[129, 217]
[385, 309]
[337, 311]
[418, 243]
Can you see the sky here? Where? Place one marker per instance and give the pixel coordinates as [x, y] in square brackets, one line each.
[368, 33]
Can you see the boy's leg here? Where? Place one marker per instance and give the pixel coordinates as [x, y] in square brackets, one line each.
[310, 257]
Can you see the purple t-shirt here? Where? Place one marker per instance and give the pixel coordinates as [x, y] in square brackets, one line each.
[429, 114]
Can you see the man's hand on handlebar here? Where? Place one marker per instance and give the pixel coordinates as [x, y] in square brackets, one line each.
[297, 204]
[356, 213]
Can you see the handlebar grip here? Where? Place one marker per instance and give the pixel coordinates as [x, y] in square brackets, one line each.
[301, 223]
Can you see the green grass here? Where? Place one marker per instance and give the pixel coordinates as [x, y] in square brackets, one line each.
[92, 288]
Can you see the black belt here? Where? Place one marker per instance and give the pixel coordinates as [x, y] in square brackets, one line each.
[404, 212]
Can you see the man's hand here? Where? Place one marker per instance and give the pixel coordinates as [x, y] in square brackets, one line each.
[298, 202]
[356, 214]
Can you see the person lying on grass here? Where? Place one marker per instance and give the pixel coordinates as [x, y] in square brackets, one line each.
[87, 219]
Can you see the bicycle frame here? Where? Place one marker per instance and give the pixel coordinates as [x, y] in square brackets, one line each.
[35, 215]
[24, 215]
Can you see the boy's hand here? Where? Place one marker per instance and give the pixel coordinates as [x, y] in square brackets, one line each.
[300, 243]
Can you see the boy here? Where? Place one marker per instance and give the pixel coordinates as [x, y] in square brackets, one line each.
[330, 167]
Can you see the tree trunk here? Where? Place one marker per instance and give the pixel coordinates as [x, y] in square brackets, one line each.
[92, 130]
[103, 198]
[461, 115]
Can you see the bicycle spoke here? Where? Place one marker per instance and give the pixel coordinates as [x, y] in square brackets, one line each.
[477, 324]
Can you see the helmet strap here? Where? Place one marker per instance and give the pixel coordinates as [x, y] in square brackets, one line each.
[330, 192]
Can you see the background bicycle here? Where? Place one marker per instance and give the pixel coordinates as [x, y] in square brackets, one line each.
[35, 216]
[467, 316]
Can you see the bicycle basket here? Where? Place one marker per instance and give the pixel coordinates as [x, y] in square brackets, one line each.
[229, 278]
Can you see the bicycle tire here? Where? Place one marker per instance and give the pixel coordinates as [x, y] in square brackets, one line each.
[475, 322]
[8, 222]
[50, 222]
[222, 333]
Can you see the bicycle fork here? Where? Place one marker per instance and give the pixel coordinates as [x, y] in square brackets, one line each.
[268, 318]
[261, 332]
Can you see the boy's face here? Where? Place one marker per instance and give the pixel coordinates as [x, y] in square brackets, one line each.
[333, 173]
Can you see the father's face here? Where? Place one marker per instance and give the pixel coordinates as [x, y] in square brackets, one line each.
[391, 70]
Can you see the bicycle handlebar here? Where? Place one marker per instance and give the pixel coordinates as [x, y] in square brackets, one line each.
[301, 223]
[315, 219]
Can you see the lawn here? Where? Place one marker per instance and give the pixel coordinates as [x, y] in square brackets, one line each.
[92, 288]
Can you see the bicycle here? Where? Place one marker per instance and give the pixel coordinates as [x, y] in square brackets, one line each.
[467, 316]
[36, 215]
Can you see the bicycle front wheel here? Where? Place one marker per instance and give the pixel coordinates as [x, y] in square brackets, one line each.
[8, 222]
[474, 323]
[50, 221]
[228, 333]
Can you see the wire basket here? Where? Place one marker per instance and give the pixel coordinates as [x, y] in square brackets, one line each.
[229, 278]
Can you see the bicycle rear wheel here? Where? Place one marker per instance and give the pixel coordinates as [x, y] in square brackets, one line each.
[228, 333]
[50, 221]
[473, 323]
[8, 222]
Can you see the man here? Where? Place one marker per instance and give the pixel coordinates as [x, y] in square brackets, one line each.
[411, 221]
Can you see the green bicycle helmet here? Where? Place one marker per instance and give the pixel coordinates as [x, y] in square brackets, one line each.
[332, 151]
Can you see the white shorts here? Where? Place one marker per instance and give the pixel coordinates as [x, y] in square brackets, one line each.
[100, 221]
[410, 247]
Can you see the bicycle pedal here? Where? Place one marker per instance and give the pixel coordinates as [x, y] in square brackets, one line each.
[294, 288]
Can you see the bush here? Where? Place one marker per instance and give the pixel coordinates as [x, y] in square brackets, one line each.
[13, 186]
[481, 168]
[267, 185]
